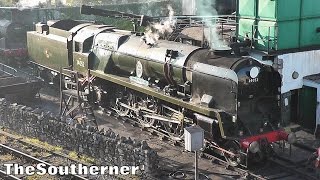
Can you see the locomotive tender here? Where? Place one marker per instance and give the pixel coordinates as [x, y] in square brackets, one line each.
[168, 86]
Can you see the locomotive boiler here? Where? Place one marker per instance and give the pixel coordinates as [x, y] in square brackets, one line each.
[168, 85]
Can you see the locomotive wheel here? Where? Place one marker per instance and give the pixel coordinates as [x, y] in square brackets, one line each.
[173, 130]
[147, 122]
[150, 104]
[233, 147]
[125, 98]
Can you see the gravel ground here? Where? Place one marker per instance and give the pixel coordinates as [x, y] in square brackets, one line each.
[173, 159]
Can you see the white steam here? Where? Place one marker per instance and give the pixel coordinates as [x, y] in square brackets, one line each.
[207, 8]
[162, 29]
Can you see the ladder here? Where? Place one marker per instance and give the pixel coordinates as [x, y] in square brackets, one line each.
[74, 101]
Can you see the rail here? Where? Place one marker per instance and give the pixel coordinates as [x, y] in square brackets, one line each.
[33, 159]
[14, 72]
[8, 70]
[4, 175]
[29, 77]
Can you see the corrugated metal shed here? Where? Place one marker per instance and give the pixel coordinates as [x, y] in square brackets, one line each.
[304, 63]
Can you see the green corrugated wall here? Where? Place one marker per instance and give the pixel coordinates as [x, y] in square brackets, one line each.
[280, 24]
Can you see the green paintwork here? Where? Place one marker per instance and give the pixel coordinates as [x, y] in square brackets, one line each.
[48, 50]
[101, 59]
[279, 10]
[123, 81]
[125, 62]
[307, 107]
[55, 51]
[293, 23]
[245, 28]
[310, 8]
[81, 61]
[59, 32]
[247, 8]
[283, 35]
[308, 35]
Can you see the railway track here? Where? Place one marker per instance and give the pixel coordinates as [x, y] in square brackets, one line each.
[5, 176]
[17, 151]
[277, 167]
[290, 167]
[274, 168]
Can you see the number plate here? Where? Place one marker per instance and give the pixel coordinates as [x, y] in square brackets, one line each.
[254, 80]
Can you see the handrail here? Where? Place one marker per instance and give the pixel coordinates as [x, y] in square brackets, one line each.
[269, 39]
[201, 21]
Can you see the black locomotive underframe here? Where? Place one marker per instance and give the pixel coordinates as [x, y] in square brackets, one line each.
[167, 119]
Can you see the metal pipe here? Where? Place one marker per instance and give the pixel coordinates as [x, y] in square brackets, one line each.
[268, 39]
[222, 30]
[61, 95]
[196, 173]
[159, 118]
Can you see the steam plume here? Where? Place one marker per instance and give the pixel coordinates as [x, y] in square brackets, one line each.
[207, 8]
[162, 29]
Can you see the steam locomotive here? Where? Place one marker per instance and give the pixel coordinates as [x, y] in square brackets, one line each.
[12, 38]
[169, 86]
[14, 24]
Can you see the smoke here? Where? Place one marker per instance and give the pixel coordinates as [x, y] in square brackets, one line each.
[161, 29]
[207, 8]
